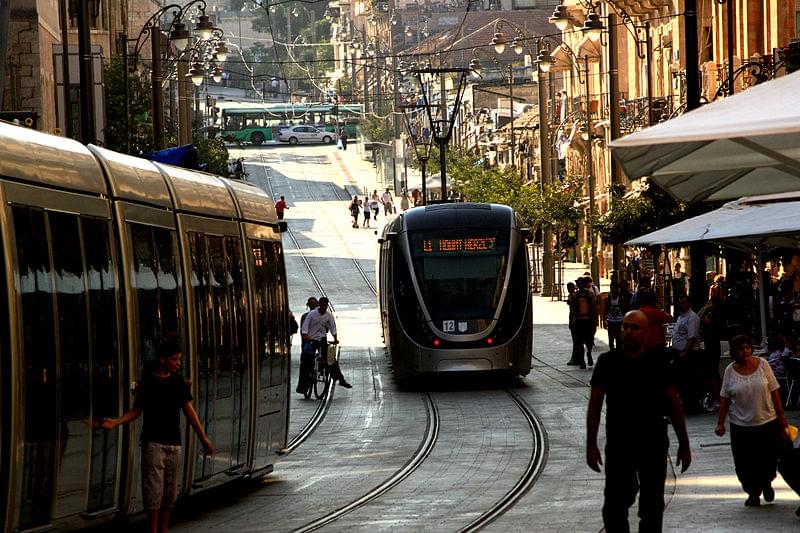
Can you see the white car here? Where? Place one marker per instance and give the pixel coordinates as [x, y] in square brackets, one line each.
[306, 134]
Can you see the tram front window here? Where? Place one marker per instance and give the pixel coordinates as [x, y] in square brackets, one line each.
[461, 275]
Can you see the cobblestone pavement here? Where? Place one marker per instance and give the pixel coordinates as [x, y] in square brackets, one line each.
[373, 429]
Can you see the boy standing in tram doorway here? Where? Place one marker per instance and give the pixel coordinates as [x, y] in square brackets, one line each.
[161, 396]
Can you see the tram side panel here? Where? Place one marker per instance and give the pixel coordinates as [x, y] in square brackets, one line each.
[66, 301]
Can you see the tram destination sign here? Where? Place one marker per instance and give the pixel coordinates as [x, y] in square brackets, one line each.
[459, 245]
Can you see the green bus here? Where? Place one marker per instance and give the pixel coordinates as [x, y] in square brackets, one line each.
[257, 123]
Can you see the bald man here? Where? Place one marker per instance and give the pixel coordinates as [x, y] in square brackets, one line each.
[639, 392]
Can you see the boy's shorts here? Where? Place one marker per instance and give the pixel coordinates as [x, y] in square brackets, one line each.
[160, 469]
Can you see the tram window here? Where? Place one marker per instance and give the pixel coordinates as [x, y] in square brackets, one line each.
[282, 320]
[261, 266]
[205, 325]
[239, 373]
[276, 307]
[220, 279]
[103, 297]
[73, 351]
[39, 366]
[156, 282]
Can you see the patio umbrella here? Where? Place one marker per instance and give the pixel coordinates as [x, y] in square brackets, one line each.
[746, 144]
[754, 224]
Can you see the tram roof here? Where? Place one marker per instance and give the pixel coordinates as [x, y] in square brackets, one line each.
[133, 178]
[458, 214]
[48, 160]
[255, 205]
[199, 193]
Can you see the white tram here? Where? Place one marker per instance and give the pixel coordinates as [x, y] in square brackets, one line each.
[102, 256]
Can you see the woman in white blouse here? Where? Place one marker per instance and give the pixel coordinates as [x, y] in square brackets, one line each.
[751, 400]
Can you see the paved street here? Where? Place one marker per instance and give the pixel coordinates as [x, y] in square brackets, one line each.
[483, 442]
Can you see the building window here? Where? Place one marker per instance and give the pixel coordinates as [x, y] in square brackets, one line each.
[525, 4]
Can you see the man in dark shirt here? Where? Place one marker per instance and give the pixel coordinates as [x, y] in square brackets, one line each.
[161, 396]
[639, 393]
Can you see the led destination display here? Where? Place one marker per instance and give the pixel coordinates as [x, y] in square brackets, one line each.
[459, 245]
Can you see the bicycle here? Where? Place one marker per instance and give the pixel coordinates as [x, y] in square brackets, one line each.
[320, 378]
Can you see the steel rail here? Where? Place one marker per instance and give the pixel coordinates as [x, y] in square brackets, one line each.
[533, 469]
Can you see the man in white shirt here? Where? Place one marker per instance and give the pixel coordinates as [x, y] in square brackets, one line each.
[386, 199]
[686, 355]
[315, 328]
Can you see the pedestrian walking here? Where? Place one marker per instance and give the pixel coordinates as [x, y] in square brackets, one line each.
[586, 318]
[614, 310]
[404, 203]
[374, 204]
[343, 138]
[355, 209]
[388, 203]
[366, 212]
[577, 348]
[679, 282]
[416, 197]
[637, 388]
[685, 354]
[751, 401]
[280, 207]
[161, 395]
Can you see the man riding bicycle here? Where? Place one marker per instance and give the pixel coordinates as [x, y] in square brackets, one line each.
[314, 330]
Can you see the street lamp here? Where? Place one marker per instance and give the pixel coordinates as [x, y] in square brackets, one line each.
[416, 125]
[442, 124]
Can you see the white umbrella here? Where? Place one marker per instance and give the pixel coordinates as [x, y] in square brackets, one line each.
[746, 144]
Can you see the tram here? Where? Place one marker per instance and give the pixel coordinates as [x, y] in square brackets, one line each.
[103, 256]
[454, 290]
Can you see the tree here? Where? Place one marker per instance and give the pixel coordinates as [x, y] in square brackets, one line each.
[638, 214]
[212, 153]
[139, 131]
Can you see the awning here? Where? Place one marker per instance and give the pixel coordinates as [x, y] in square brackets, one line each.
[765, 222]
[746, 144]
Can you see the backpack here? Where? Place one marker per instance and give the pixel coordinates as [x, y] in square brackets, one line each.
[584, 304]
[293, 327]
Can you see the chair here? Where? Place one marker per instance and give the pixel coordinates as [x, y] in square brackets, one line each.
[792, 365]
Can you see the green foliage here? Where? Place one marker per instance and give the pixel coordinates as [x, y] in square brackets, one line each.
[139, 131]
[213, 153]
[377, 129]
[638, 214]
[555, 206]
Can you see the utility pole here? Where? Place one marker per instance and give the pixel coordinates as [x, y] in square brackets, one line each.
[5, 19]
[442, 130]
[122, 44]
[511, 110]
[313, 53]
[157, 93]
[64, 16]
[614, 96]
[546, 180]
[590, 172]
[184, 104]
[364, 57]
[88, 133]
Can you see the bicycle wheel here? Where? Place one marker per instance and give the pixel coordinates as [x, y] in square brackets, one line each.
[321, 381]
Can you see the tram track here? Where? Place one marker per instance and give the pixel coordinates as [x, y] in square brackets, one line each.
[532, 470]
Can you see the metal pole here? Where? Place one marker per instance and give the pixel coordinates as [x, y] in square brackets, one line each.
[649, 59]
[64, 16]
[423, 163]
[184, 135]
[5, 19]
[442, 131]
[366, 82]
[353, 80]
[590, 171]
[731, 46]
[546, 180]
[158, 94]
[614, 123]
[313, 54]
[511, 109]
[123, 41]
[88, 134]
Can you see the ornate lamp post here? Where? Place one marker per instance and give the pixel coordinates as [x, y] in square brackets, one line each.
[180, 38]
[415, 120]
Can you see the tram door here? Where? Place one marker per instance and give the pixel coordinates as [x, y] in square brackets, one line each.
[272, 367]
[70, 364]
[223, 395]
